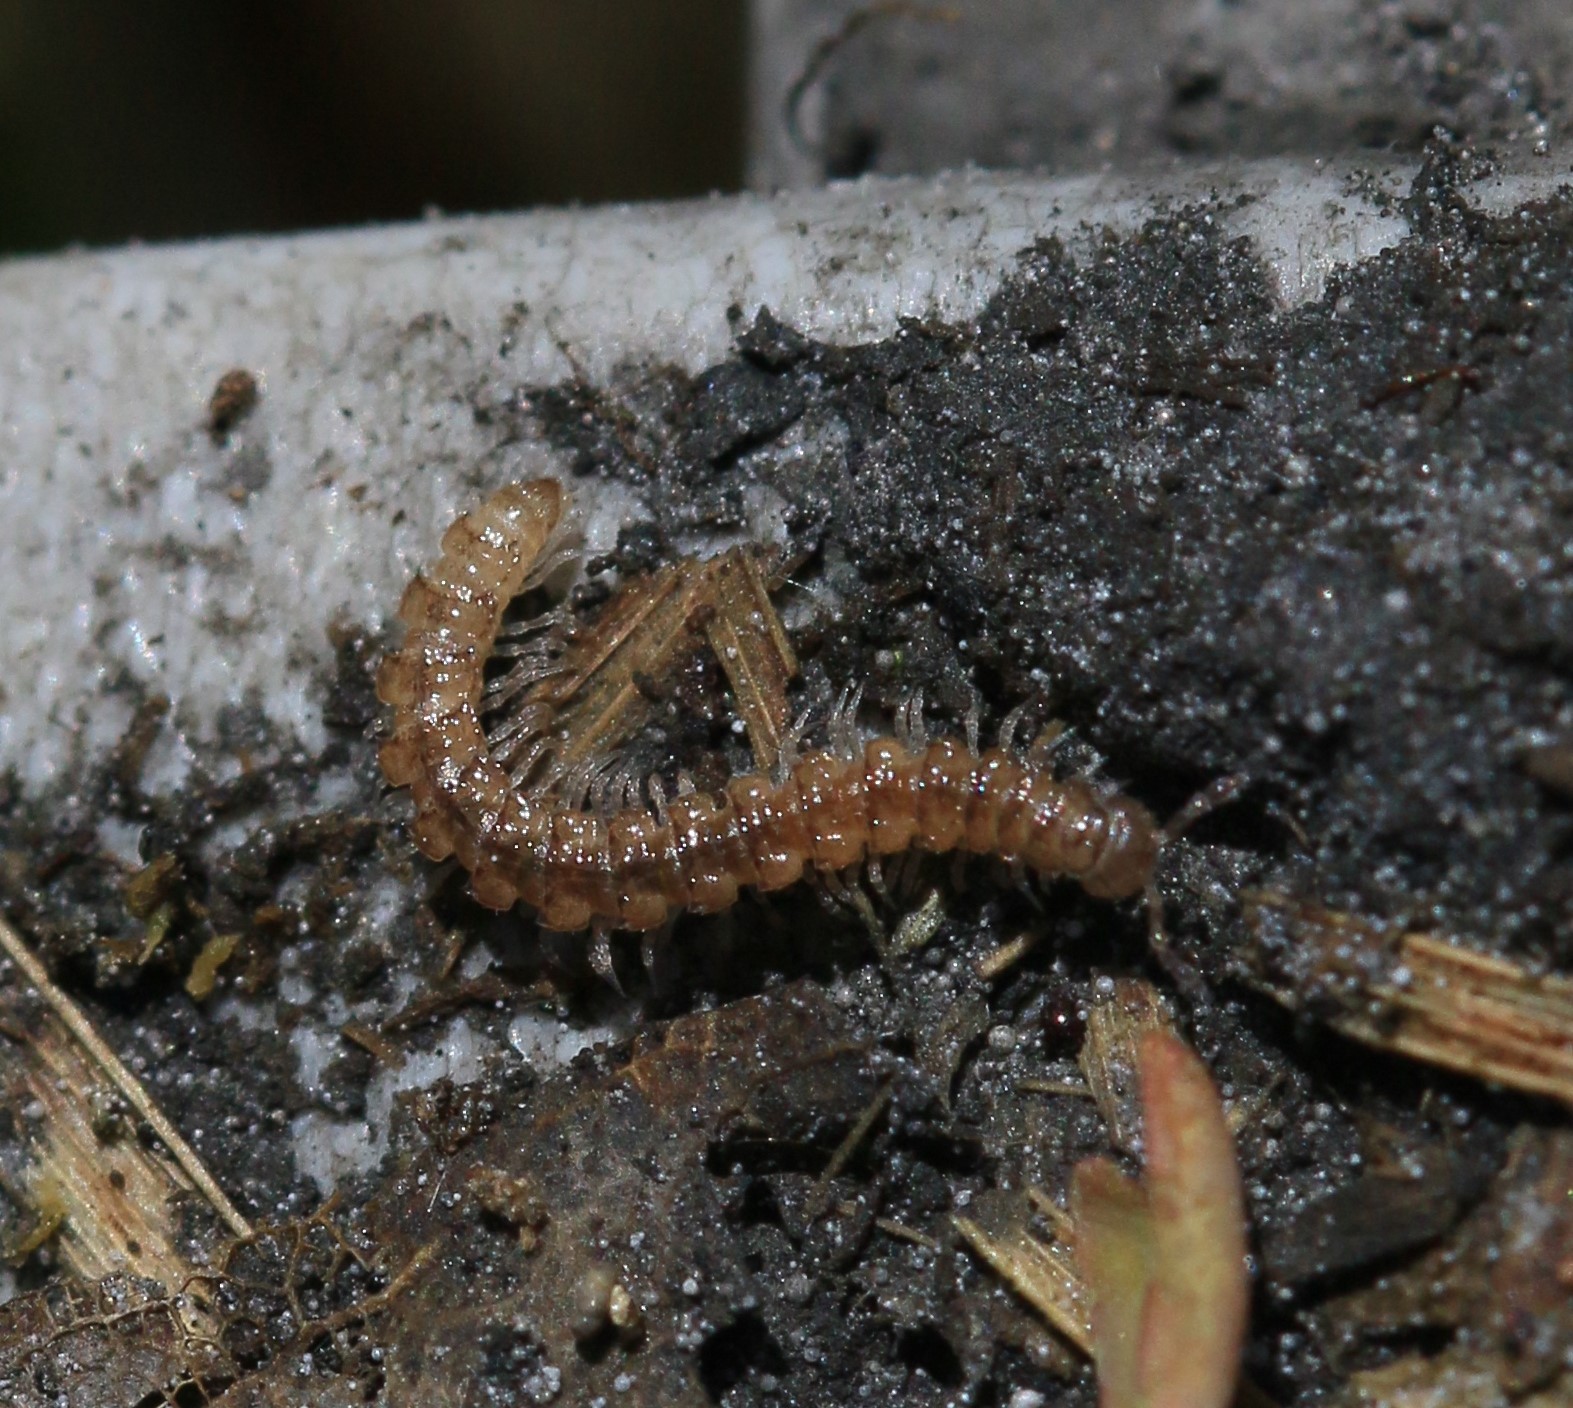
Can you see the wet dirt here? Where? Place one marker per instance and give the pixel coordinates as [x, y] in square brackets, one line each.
[1326, 549]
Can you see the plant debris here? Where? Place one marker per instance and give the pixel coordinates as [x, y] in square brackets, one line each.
[1416, 994]
[1202, 534]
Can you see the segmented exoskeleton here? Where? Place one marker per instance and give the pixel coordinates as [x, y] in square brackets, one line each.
[633, 867]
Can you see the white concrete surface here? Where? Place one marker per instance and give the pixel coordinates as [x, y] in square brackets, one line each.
[136, 549]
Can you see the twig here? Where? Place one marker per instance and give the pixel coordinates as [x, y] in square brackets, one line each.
[75, 1021]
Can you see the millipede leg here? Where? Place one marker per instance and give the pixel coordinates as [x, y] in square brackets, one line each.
[791, 746]
[601, 954]
[842, 728]
[875, 871]
[1217, 793]
[1042, 748]
[1008, 726]
[1184, 974]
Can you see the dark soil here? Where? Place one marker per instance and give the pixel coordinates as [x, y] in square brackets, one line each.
[1327, 550]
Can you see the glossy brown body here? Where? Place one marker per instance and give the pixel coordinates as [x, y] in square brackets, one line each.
[632, 869]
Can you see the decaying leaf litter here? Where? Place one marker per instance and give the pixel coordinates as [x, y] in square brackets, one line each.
[1211, 538]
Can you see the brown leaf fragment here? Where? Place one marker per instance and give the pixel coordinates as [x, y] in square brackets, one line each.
[1503, 1280]
[122, 1341]
[1454, 1379]
[1392, 1208]
[1416, 994]
[571, 1222]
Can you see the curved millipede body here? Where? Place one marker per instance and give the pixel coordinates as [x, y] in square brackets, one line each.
[632, 868]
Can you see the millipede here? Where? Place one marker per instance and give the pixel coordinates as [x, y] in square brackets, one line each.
[609, 857]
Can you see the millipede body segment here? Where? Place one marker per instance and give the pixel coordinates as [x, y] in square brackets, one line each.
[632, 867]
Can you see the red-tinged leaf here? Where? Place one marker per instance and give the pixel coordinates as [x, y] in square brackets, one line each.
[1166, 1262]
[1196, 1316]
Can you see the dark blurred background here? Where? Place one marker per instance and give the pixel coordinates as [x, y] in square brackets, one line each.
[156, 120]
[160, 120]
